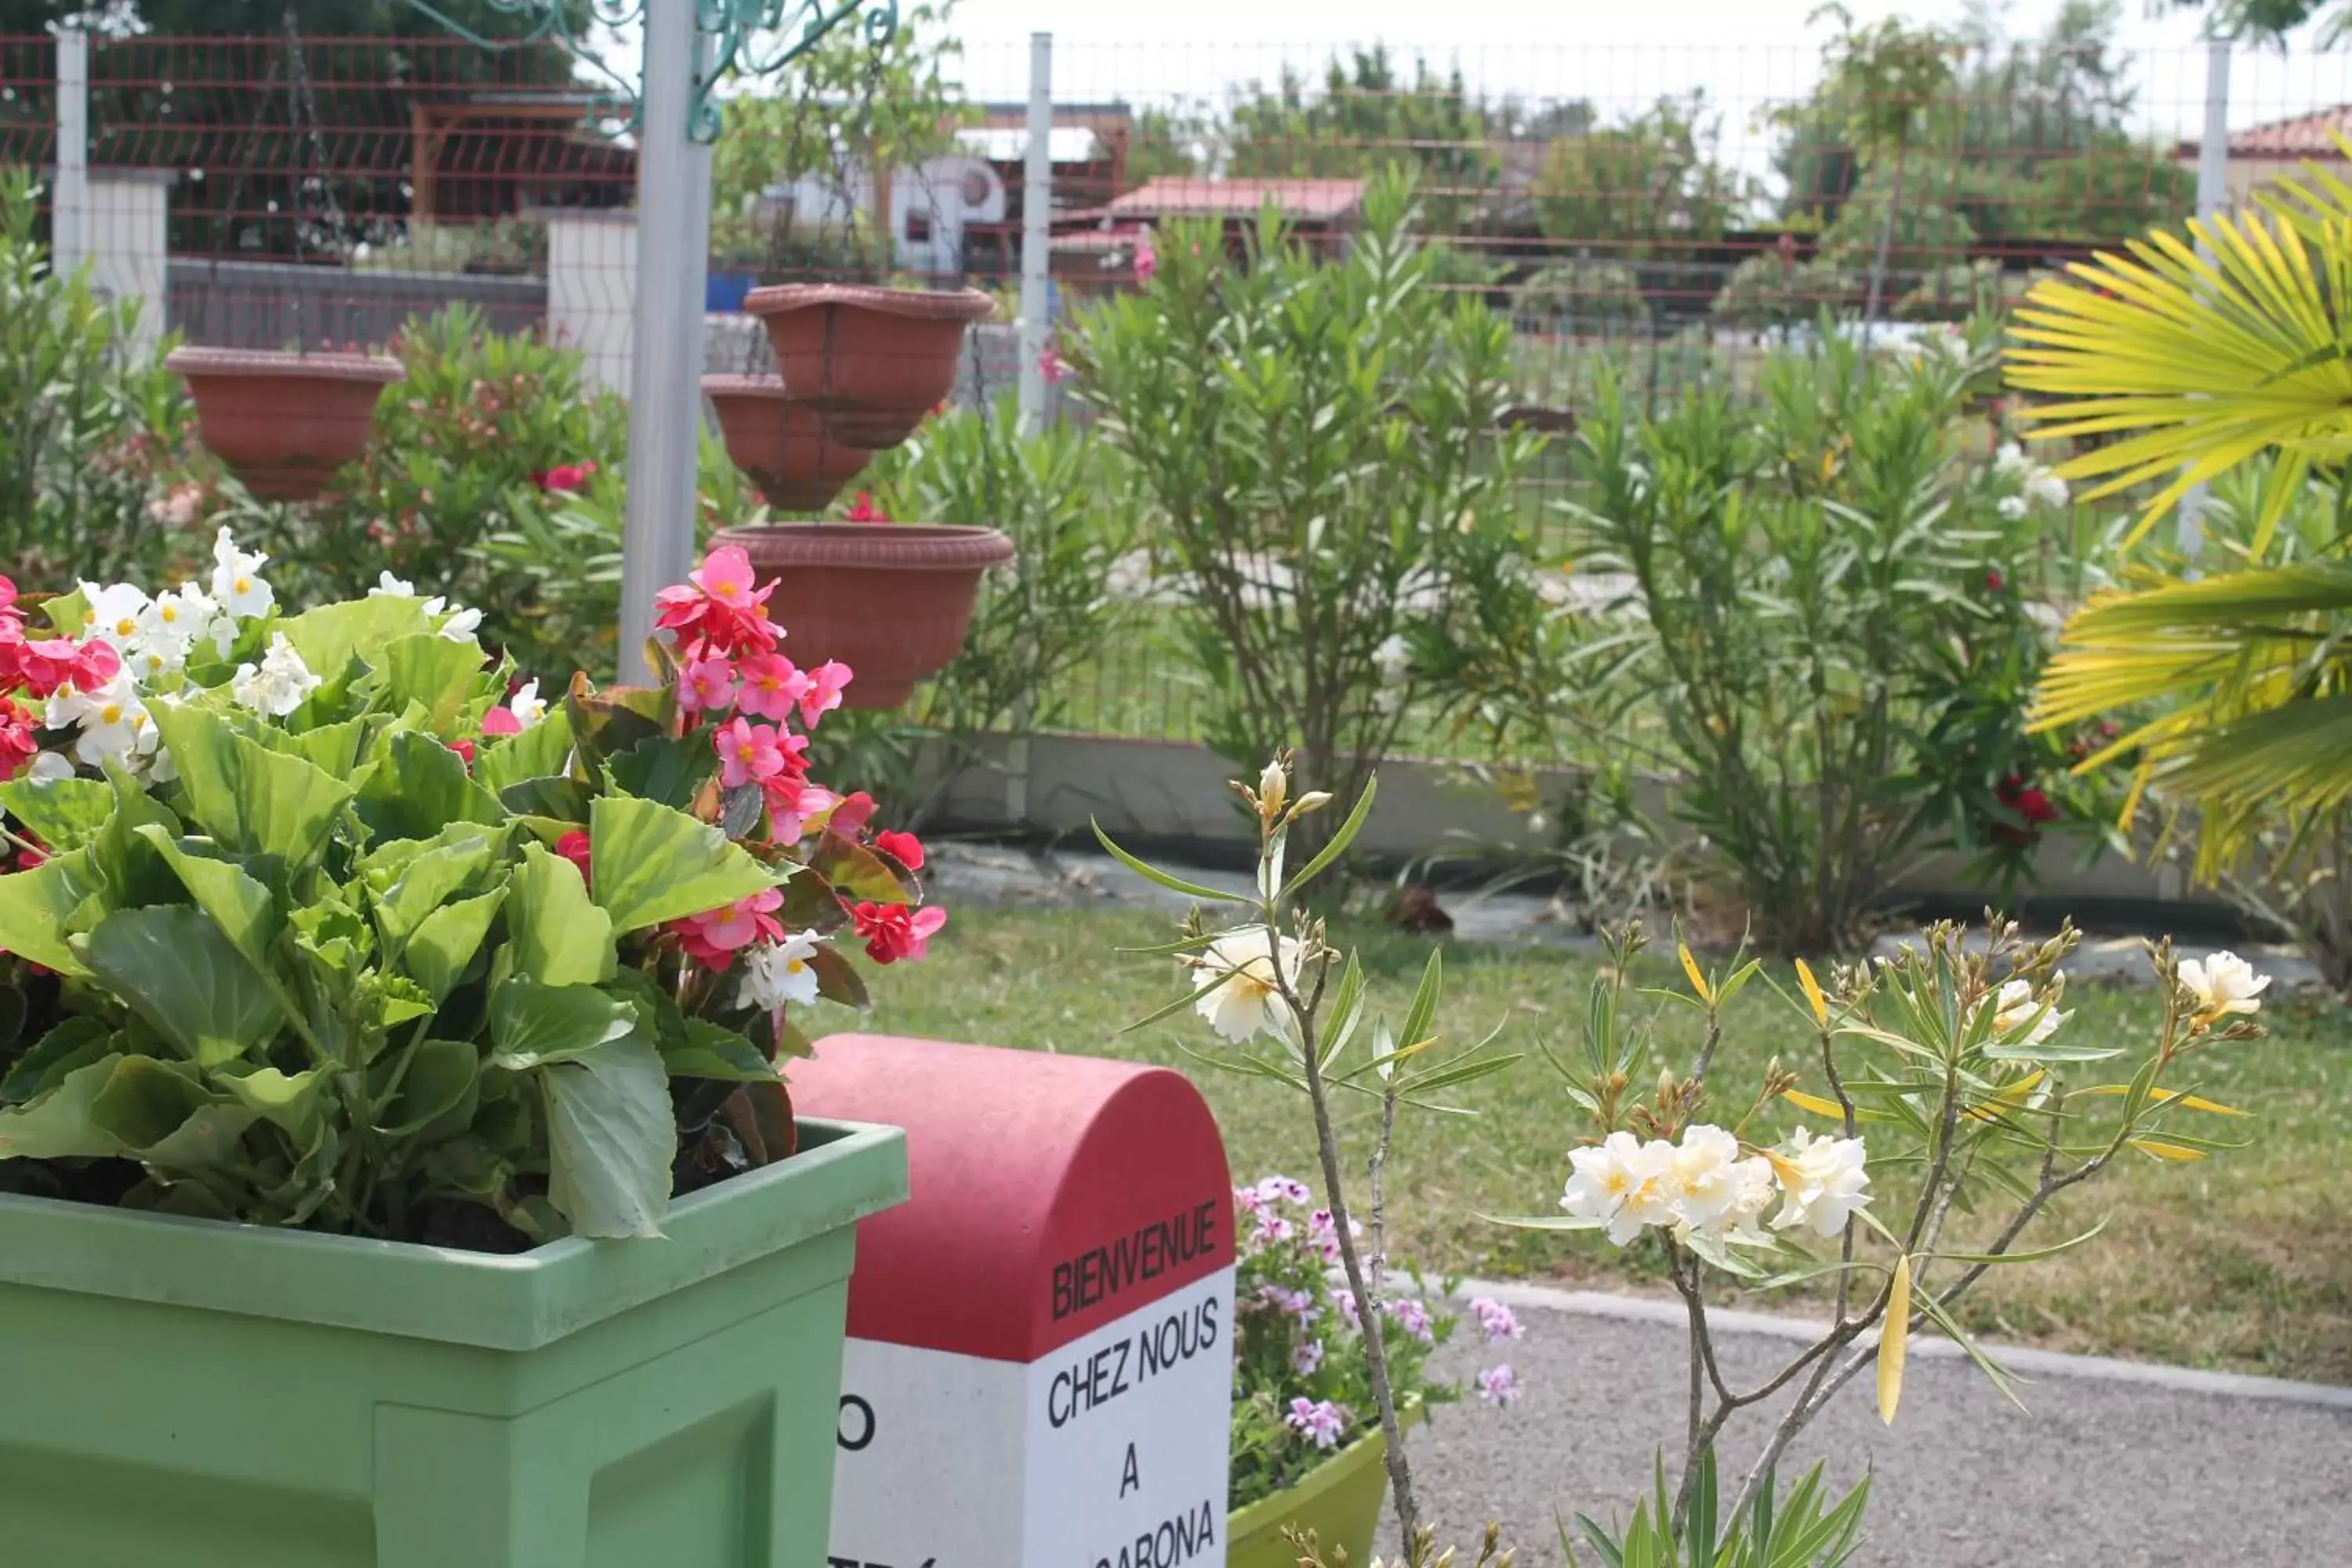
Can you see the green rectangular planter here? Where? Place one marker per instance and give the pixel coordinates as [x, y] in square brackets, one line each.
[180, 1393]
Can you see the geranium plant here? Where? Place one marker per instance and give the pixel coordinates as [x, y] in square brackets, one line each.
[321, 920]
[1302, 1381]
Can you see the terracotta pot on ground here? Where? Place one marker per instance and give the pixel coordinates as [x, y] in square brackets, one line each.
[892, 601]
[875, 362]
[781, 442]
[284, 422]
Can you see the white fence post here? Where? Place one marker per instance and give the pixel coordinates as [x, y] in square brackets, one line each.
[69, 199]
[2212, 198]
[665, 381]
[1037, 235]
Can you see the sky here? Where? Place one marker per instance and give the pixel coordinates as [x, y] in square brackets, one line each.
[1746, 53]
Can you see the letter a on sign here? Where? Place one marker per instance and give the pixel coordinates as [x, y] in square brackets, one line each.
[1129, 1479]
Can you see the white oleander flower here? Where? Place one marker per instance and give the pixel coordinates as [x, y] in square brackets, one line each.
[1240, 990]
[1622, 1181]
[1822, 1182]
[2014, 1006]
[2222, 984]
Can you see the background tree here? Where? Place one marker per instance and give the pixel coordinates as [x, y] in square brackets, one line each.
[1654, 184]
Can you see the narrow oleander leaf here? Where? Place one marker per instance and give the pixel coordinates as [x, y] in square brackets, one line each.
[1895, 1340]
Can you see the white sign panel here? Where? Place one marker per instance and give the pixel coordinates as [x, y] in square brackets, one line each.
[1109, 1452]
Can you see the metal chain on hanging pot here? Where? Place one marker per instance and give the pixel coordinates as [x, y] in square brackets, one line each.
[306, 111]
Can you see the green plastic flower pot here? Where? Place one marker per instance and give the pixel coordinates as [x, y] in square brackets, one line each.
[203, 1395]
[1339, 1500]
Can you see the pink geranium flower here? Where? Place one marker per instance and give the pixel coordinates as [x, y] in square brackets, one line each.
[773, 686]
[708, 685]
[826, 685]
[749, 752]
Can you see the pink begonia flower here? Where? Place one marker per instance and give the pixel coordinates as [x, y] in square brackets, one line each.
[850, 817]
[863, 508]
[893, 932]
[707, 685]
[825, 683]
[713, 938]
[1498, 1384]
[501, 721]
[1319, 1420]
[790, 803]
[773, 686]
[748, 753]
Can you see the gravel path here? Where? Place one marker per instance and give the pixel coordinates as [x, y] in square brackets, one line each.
[2095, 1471]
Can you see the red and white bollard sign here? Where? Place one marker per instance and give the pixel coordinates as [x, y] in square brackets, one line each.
[1039, 1370]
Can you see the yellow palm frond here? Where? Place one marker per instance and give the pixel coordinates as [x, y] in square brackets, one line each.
[2258, 673]
[2196, 365]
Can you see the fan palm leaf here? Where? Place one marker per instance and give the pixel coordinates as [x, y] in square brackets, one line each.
[2196, 365]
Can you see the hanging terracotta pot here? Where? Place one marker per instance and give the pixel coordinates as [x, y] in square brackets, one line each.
[874, 361]
[892, 601]
[781, 442]
[284, 422]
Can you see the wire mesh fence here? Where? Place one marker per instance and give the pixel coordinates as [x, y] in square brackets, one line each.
[1665, 213]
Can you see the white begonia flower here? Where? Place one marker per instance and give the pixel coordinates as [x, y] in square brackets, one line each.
[2011, 508]
[779, 973]
[528, 707]
[236, 579]
[461, 624]
[112, 614]
[50, 765]
[1240, 990]
[1822, 1182]
[110, 721]
[281, 684]
[1703, 1178]
[179, 617]
[388, 586]
[2014, 1006]
[149, 659]
[1624, 1182]
[2222, 984]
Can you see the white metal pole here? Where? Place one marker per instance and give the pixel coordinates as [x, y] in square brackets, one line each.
[70, 224]
[1038, 234]
[2212, 198]
[665, 386]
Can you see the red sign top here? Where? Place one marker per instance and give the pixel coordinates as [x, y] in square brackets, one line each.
[1051, 1195]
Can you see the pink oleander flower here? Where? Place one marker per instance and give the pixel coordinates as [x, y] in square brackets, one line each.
[1050, 366]
[707, 685]
[1147, 258]
[773, 686]
[1497, 1322]
[1498, 1385]
[713, 938]
[1318, 1420]
[826, 685]
[751, 754]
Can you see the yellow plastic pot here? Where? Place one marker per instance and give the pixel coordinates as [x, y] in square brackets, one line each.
[1339, 1500]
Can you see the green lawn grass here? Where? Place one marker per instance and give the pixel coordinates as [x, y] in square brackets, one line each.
[2242, 1261]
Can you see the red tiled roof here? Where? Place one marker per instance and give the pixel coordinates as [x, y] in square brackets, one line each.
[1186, 195]
[2309, 135]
